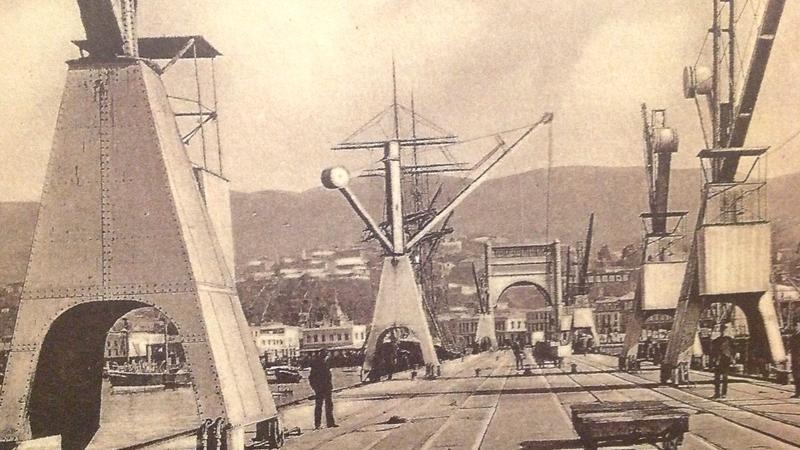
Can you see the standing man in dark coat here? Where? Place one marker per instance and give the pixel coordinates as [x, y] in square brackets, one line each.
[794, 350]
[517, 353]
[392, 350]
[321, 382]
[722, 352]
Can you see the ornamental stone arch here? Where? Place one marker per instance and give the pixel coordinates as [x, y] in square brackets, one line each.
[506, 266]
[537, 265]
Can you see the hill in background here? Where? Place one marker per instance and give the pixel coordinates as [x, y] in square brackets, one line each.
[273, 223]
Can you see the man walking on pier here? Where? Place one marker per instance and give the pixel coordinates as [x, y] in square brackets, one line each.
[321, 382]
[794, 350]
[722, 353]
[515, 347]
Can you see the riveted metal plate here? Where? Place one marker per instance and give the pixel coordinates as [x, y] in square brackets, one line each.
[122, 220]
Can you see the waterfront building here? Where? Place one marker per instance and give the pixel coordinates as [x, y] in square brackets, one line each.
[141, 346]
[331, 337]
[512, 325]
[277, 342]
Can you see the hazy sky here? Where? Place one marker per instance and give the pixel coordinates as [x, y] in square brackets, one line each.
[299, 76]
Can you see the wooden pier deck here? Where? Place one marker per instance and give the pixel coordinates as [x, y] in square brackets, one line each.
[502, 409]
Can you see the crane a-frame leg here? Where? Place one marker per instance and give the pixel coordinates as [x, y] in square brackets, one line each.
[399, 304]
[633, 332]
[486, 330]
[766, 344]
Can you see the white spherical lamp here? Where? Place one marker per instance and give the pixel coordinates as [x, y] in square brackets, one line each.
[335, 177]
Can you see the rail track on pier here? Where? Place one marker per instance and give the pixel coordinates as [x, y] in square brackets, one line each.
[681, 397]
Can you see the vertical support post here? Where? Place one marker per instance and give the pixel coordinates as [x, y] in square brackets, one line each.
[166, 343]
[716, 32]
[731, 62]
[216, 116]
[487, 253]
[549, 179]
[126, 340]
[558, 303]
[394, 193]
[715, 74]
[418, 194]
[557, 288]
[394, 102]
[130, 40]
[568, 290]
[200, 105]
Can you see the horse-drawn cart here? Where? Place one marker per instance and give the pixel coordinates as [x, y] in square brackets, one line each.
[550, 352]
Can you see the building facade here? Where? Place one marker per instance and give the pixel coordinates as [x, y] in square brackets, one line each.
[512, 326]
[611, 316]
[277, 342]
[541, 320]
[142, 347]
[345, 336]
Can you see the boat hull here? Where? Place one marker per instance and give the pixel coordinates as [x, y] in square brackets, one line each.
[136, 379]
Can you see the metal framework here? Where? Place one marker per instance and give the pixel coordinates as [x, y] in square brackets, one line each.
[663, 259]
[729, 260]
[399, 302]
[194, 115]
[127, 221]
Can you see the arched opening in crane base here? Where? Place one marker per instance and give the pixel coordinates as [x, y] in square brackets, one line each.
[718, 319]
[397, 350]
[104, 363]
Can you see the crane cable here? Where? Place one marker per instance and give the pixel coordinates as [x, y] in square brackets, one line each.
[783, 144]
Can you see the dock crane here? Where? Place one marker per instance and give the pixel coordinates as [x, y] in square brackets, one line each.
[730, 264]
[125, 226]
[578, 305]
[663, 262]
[580, 286]
[399, 302]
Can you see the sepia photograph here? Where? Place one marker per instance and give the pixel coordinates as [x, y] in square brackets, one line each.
[399, 224]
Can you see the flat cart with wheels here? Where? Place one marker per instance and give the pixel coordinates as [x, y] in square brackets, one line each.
[629, 423]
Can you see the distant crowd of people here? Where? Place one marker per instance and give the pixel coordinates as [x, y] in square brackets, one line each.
[336, 358]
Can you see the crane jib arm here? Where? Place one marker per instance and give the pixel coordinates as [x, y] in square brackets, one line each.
[753, 80]
[479, 179]
[110, 27]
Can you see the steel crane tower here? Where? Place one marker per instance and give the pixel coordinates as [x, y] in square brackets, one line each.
[663, 246]
[127, 220]
[730, 257]
[399, 301]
